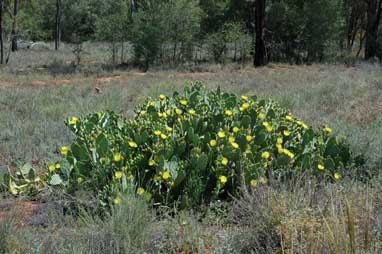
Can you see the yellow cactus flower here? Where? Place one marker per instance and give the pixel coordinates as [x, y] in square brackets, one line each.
[231, 139]
[117, 201]
[64, 150]
[286, 133]
[328, 130]
[151, 163]
[142, 113]
[253, 183]
[221, 134]
[265, 155]
[178, 111]
[166, 175]
[117, 157]
[235, 145]
[80, 180]
[160, 114]
[132, 144]
[58, 166]
[118, 174]
[288, 153]
[337, 176]
[163, 136]
[245, 106]
[183, 102]
[241, 109]
[224, 161]
[261, 116]
[235, 129]
[289, 118]
[249, 138]
[262, 180]
[320, 167]
[192, 112]
[140, 191]
[222, 179]
[51, 168]
[213, 143]
[245, 98]
[74, 120]
[157, 133]
[162, 97]
[228, 112]
[169, 129]
[279, 141]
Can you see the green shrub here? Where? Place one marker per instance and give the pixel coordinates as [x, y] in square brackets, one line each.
[193, 148]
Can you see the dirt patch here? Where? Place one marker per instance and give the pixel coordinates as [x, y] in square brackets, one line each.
[38, 83]
[62, 81]
[193, 75]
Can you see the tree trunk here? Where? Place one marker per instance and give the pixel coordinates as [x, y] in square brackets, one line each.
[374, 9]
[14, 25]
[57, 37]
[1, 32]
[260, 54]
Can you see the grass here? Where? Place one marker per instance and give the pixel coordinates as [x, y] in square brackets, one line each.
[303, 217]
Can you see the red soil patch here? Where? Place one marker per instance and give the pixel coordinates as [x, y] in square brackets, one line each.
[22, 210]
[38, 83]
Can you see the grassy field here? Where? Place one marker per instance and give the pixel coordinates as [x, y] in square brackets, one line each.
[295, 218]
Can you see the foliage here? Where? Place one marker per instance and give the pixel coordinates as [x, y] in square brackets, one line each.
[195, 147]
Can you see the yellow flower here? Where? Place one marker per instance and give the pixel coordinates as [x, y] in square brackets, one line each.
[265, 155]
[192, 112]
[241, 109]
[162, 97]
[213, 143]
[234, 145]
[221, 134]
[168, 112]
[288, 153]
[289, 118]
[320, 167]
[304, 126]
[157, 132]
[163, 136]
[117, 201]
[269, 128]
[261, 116]
[166, 175]
[178, 111]
[64, 150]
[228, 112]
[265, 124]
[328, 130]
[169, 129]
[245, 106]
[80, 180]
[244, 97]
[279, 141]
[262, 180]
[58, 166]
[222, 179]
[337, 176]
[74, 120]
[183, 102]
[224, 161]
[249, 138]
[231, 139]
[253, 183]
[117, 157]
[118, 174]
[142, 113]
[151, 163]
[52, 168]
[132, 144]
[160, 114]
[140, 191]
[286, 133]
[235, 129]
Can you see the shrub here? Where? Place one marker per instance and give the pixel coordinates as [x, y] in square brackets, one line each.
[193, 148]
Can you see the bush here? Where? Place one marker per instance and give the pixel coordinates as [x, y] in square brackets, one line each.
[193, 148]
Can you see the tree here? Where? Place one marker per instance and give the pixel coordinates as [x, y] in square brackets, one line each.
[260, 51]
[374, 9]
[2, 3]
[14, 25]
[57, 37]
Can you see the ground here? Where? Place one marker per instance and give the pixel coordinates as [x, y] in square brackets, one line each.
[35, 101]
